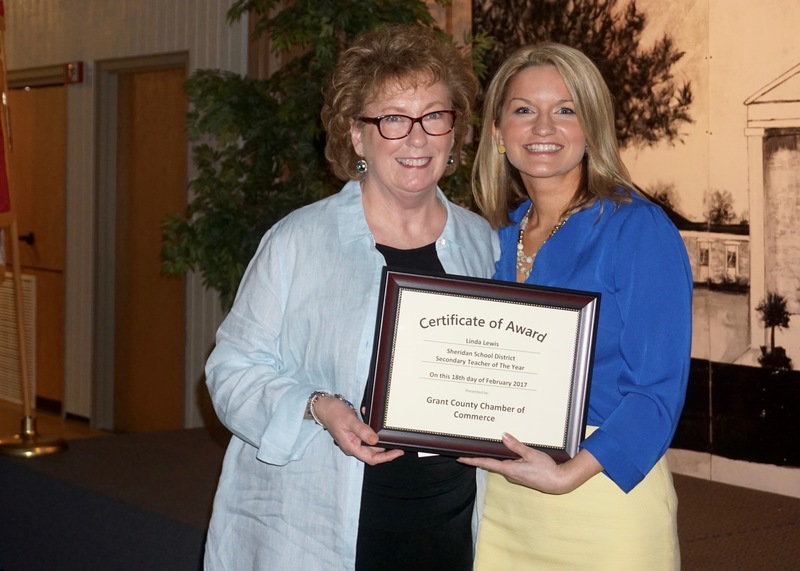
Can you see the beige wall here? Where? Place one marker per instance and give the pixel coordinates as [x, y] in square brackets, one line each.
[733, 49]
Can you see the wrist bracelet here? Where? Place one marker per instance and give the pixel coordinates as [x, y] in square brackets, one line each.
[312, 400]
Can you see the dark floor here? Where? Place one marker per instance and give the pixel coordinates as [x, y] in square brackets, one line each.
[728, 527]
[720, 526]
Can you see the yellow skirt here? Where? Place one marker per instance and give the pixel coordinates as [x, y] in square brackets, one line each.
[596, 527]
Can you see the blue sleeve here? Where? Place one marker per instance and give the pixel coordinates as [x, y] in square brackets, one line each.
[652, 297]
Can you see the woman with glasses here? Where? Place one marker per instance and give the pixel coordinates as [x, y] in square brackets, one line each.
[303, 485]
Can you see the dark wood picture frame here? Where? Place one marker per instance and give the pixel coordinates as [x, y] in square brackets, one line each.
[386, 371]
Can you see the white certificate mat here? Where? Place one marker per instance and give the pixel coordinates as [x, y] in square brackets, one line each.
[459, 361]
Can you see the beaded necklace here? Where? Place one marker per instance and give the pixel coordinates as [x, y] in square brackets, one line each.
[525, 263]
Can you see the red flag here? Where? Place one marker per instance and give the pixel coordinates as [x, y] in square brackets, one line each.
[5, 193]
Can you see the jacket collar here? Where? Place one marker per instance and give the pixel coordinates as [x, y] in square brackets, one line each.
[353, 221]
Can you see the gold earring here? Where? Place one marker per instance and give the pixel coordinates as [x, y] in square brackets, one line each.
[501, 149]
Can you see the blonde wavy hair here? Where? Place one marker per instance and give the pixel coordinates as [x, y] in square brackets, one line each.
[497, 185]
[407, 55]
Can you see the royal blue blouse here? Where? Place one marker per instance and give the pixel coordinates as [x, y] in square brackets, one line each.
[635, 258]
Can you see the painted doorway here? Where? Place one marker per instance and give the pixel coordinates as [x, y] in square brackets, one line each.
[143, 147]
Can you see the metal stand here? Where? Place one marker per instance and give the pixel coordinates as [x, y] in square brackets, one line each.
[28, 442]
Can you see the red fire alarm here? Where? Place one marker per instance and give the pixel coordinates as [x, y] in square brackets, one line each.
[73, 72]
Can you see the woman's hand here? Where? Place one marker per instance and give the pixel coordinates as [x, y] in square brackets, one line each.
[351, 435]
[538, 470]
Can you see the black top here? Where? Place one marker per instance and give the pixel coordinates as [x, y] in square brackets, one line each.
[413, 501]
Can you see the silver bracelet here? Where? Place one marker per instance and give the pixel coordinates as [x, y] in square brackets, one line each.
[312, 400]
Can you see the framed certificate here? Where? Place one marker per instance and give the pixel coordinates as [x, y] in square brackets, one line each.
[457, 361]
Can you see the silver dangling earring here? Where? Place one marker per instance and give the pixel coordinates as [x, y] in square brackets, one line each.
[451, 161]
[361, 166]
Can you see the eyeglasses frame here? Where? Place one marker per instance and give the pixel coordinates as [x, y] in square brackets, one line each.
[377, 122]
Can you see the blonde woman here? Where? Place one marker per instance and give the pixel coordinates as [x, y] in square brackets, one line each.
[548, 175]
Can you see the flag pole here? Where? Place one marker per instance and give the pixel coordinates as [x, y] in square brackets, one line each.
[28, 442]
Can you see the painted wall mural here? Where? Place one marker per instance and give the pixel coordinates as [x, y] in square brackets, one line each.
[728, 172]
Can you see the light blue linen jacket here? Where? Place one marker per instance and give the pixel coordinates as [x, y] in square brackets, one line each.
[304, 320]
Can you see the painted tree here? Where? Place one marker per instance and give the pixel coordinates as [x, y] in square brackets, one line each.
[664, 194]
[774, 314]
[719, 208]
[650, 105]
